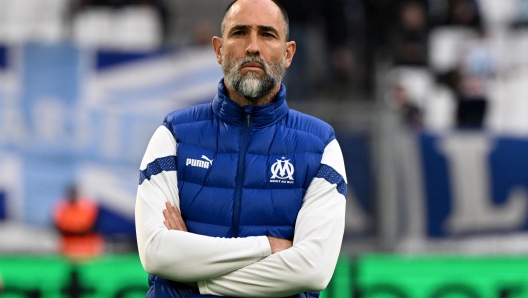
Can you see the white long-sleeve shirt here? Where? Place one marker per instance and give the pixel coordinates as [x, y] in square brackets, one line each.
[240, 267]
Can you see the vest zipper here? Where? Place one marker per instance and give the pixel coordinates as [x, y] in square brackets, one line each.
[240, 178]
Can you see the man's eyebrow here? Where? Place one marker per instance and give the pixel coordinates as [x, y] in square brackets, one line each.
[260, 28]
[268, 28]
[239, 27]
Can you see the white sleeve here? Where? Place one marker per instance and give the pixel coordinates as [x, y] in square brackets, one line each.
[177, 255]
[309, 264]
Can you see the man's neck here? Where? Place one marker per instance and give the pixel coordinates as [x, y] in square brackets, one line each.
[243, 101]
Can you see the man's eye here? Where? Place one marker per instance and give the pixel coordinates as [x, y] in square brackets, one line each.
[238, 33]
[267, 34]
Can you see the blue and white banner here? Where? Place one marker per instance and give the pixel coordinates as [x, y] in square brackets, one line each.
[475, 183]
[463, 191]
[69, 115]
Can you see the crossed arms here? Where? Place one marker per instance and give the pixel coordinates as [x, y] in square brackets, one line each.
[174, 221]
[257, 266]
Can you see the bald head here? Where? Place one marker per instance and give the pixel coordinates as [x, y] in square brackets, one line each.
[235, 6]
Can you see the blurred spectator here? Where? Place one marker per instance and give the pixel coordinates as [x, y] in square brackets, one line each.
[339, 57]
[411, 114]
[393, 28]
[409, 37]
[379, 17]
[464, 13]
[75, 218]
[337, 35]
[478, 66]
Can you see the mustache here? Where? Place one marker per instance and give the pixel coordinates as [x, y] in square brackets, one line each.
[253, 59]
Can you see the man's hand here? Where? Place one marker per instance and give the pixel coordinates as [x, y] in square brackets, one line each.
[173, 218]
[174, 221]
[279, 244]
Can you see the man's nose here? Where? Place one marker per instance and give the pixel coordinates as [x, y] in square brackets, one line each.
[253, 47]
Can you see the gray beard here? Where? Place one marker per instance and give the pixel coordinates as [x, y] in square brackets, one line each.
[251, 85]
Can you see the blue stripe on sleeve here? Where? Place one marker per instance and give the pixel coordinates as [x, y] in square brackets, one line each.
[159, 165]
[333, 177]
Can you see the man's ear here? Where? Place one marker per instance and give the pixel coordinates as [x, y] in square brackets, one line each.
[290, 51]
[217, 46]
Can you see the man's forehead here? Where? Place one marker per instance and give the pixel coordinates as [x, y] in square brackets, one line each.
[255, 13]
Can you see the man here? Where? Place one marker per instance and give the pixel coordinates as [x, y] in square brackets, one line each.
[261, 188]
[75, 218]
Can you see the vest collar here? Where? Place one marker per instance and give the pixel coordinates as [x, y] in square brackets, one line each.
[261, 115]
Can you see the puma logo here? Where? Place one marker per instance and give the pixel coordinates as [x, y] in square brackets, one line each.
[209, 160]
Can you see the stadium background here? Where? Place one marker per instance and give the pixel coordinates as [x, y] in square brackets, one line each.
[434, 208]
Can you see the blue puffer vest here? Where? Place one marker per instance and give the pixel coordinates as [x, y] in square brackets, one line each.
[242, 171]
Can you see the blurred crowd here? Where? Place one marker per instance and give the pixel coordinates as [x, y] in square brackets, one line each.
[340, 41]
[440, 55]
[450, 64]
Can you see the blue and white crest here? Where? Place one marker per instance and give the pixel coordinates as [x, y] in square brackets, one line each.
[282, 169]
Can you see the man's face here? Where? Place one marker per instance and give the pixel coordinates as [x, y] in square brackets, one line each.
[253, 51]
[252, 83]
